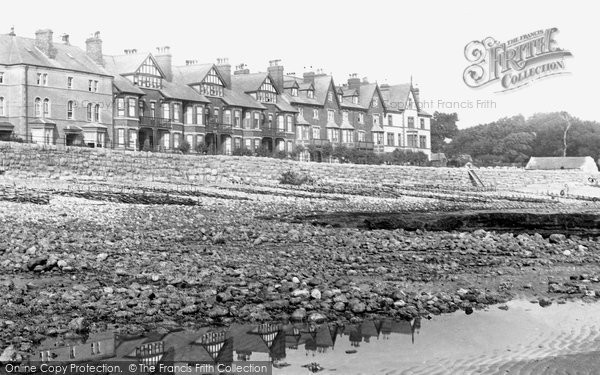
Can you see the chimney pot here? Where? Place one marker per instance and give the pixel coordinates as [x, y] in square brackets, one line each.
[65, 38]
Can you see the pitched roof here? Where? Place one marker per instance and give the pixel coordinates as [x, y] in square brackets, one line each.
[395, 96]
[284, 103]
[248, 82]
[190, 74]
[175, 90]
[16, 50]
[239, 99]
[290, 83]
[348, 104]
[584, 163]
[124, 85]
[126, 64]
[322, 85]
[367, 91]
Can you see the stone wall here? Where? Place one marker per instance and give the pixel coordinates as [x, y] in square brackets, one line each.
[59, 162]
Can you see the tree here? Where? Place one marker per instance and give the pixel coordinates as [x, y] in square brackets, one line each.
[443, 125]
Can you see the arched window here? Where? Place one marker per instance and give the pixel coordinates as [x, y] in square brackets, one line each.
[89, 112]
[2, 106]
[97, 113]
[38, 107]
[70, 110]
[46, 107]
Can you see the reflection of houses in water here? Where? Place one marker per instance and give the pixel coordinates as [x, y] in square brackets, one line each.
[96, 347]
[362, 332]
[148, 350]
[404, 327]
[315, 338]
[205, 348]
[266, 338]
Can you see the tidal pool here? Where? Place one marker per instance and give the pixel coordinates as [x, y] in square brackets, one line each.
[525, 339]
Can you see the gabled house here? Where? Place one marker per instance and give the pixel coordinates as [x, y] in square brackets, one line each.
[151, 111]
[231, 116]
[406, 124]
[277, 130]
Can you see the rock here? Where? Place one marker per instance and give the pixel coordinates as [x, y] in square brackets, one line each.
[79, 325]
[557, 238]
[317, 318]
[399, 304]
[303, 293]
[101, 257]
[503, 307]
[218, 311]
[545, 302]
[62, 263]
[339, 306]
[468, 310]
[316, 294]
[567, 252]
[295, 280]
[8, 355]
[298, 315]
[35, 262]
[357, 307]
[190, 309]
[224, 297]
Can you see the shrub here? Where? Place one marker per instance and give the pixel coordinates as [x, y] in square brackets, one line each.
[242, 151]
[280, 154]
[263, 151]
[184, 146]
[146, 146]
[202, 148]
[295, 178]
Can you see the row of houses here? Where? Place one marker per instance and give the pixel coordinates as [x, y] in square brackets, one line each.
[264, 342]
[56, 93]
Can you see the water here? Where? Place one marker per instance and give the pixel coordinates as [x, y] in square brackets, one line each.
[524, 339]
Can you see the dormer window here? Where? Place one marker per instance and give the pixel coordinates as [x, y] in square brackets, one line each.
[375, 102]
[267, 92]
[294, 91]
[340, 98]
[330, 96]
[310, 94]
[410, 104]
[147, 75]
[212, 84]
[355, 99]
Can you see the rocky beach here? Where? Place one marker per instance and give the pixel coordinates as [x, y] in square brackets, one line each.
[84, 258]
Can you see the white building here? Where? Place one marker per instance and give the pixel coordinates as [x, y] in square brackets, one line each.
[406, 126]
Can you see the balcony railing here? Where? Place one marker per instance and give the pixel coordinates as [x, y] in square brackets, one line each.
[273, 132]
[320, 142]
[363, 145]
[216, 127]
[156, 122]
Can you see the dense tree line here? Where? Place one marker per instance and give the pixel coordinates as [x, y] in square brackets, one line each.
[513, 140]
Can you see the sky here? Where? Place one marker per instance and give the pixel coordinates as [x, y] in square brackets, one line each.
[385, 41]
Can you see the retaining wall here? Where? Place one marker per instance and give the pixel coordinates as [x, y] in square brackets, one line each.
[60, 162]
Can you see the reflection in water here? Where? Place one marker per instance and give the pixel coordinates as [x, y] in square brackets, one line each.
[264, 342]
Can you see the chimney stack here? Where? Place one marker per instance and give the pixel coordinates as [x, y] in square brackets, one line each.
[93, 48]
[416, 93]
[241, 69]
[354, 81]
[276, 72]
[43, 41]
[65, 39]
[365, 81]
[309, 77]
[225, 69]
[165, 61]
[12, 31]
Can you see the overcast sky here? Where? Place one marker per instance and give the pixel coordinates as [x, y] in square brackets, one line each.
[384, 41]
